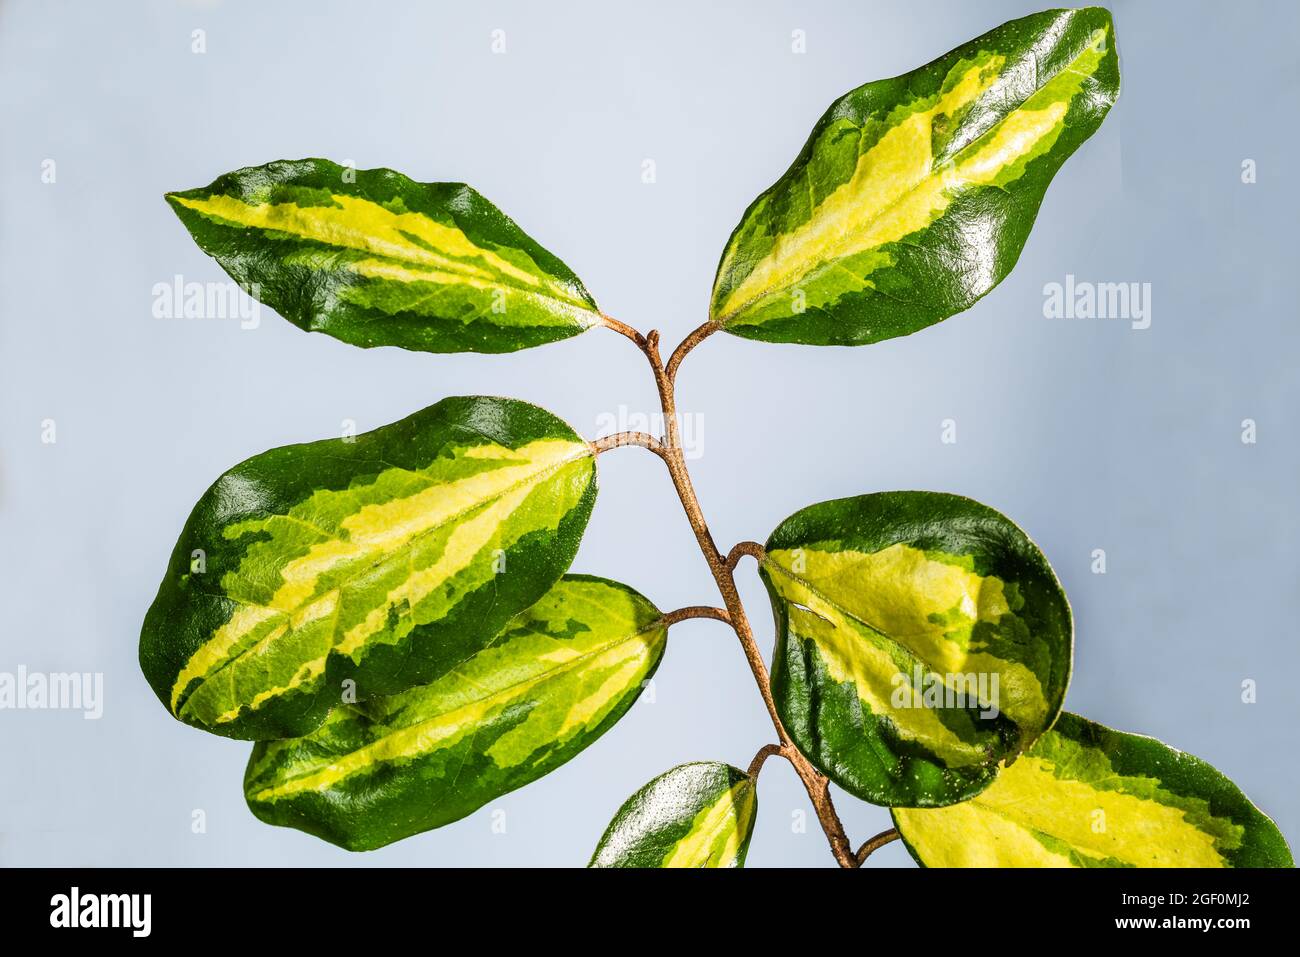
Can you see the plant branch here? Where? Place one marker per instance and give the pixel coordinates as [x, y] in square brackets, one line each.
[686, 345]
[695, 611]
[765, 752]
[623, 329]
[740, 550]
[620, 439]
[670, 451]
[874, 844]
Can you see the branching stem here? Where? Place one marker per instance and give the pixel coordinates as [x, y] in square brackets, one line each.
[669, 449]
[874, 844]
[765, 752]
[690, 342]
[696, 611]
[623, 329]
[740, 550]
[620, 439]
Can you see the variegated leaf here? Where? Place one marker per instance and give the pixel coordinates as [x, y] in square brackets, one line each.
[921, 639]
[553, 681]
[346, 568]
[1087, 796]
[696, 815]
[914, 196]
[376, 259]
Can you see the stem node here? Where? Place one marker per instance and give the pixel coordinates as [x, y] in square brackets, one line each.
[722, 567]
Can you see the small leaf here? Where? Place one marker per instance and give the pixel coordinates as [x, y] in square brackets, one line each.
[696, 815]
[553, 681]
[914, 195]
[1087, 796]
[921, 639]
[375, 259]
[338, 570]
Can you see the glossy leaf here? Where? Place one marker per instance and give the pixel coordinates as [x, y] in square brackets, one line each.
[914, 195]
[376, 259]
[553, 681]
[696, 815]
[921, 639]
[1087, 796]
[313, 573]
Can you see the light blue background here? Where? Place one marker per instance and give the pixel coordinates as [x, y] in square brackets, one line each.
[1088, 433]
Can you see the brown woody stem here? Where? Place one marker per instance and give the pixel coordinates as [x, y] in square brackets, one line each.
[765, 752]
[623, 329]
[873, 844]
[740, 550]
[695, 611]
[620, 439]
[669, 449]
[690, 342]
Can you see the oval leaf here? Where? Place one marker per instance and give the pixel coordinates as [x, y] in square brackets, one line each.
[1087, 796]
[696, 815]
[556, 678]
[376, 259]
[921, 639]
[914, 196]
[346, 568]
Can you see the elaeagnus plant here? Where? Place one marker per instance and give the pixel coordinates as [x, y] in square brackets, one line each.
[392, 619]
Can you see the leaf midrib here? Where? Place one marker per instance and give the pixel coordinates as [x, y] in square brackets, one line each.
[462, 267]
[913, 656]
[536, 478]
[1025, 826]
[1039, 83]
[507, 692]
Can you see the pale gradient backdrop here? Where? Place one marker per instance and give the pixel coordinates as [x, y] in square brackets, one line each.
[1088, 433]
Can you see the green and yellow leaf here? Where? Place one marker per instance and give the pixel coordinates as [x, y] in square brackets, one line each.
[346, 568]
[921, 639]
[554, 680]
[696, 815]
[1087, 796]
[376, 259]
[914, 196]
